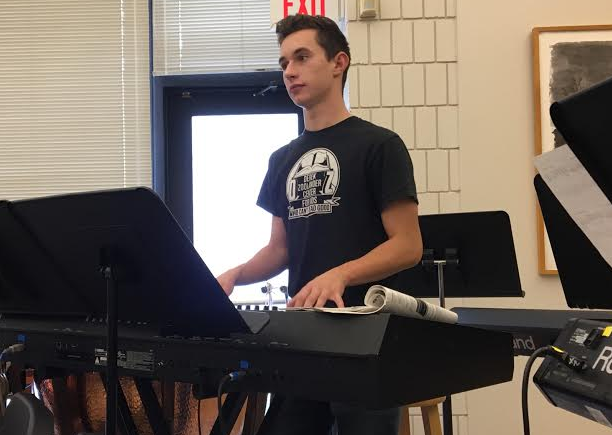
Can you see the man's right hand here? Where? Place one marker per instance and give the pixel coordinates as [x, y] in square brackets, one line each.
[228, 279]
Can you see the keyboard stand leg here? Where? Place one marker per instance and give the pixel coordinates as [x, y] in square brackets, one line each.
[124, 418]
[151, 406]
[81, 391]
[65, 404]
[447, 416]
[275, 406]
[255, 412]
[231, 410]
[168, 390]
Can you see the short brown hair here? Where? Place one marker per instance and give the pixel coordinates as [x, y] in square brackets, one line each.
[329, 35]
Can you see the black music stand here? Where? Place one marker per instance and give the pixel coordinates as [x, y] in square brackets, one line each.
[585, 121]
[583, 272]
[464, 255]
[118, 255]
[25, 292]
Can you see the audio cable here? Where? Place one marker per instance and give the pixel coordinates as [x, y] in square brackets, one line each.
[570, 361]
[230, 377]
[19, 347]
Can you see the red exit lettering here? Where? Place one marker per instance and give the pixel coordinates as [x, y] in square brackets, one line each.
[303, 8]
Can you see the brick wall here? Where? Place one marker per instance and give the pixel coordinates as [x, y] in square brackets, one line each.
[404, 77]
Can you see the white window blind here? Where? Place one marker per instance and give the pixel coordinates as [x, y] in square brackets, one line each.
[74, 96]
[208, 36]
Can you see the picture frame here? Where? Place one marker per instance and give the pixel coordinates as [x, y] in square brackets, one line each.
[566, 60]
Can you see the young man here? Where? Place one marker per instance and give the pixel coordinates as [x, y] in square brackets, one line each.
[343, 204]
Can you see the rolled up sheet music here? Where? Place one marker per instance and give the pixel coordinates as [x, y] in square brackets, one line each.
[385, 300]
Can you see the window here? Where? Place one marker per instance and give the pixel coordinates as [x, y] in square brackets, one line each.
[74, 87]
[213, 36]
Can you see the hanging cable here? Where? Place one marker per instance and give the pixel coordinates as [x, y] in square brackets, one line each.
[559, 354]
[230, 377]
[536, 354]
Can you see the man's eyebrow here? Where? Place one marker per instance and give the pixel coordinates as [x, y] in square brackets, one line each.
[301, 50]
[295, 52]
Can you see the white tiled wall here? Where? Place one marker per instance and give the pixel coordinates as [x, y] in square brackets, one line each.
[403, 77]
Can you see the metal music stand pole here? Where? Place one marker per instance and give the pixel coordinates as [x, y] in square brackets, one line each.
[450, 259]
[112, 377]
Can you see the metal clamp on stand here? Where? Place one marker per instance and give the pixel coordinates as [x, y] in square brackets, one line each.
[268, 290]
[451, 258]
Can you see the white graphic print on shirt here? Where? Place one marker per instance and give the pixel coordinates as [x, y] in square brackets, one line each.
[312, 183]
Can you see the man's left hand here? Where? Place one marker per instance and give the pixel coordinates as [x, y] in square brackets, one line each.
[329, 286]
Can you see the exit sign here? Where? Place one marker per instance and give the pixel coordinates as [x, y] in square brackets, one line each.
[279, 9]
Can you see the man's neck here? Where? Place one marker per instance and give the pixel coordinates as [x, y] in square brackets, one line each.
[325, 115]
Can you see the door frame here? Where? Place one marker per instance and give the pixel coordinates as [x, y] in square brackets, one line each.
[176, 99]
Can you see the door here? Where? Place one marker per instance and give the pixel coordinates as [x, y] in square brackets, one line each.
[219, 140]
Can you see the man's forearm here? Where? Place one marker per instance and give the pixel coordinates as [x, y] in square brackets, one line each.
[386, 259]
[268, 262]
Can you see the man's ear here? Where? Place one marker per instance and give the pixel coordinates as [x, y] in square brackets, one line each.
[341, 63]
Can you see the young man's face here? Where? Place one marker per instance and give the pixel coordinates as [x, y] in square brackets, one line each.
[310, 78]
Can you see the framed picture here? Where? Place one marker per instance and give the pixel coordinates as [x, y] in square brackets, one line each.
[566, 60]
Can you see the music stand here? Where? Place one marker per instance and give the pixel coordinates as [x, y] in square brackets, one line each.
[20, 255]
[125, 258]
[464, 255]
[582, 270]
[584, 120]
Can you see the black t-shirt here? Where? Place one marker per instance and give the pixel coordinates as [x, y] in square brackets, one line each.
[330, 187]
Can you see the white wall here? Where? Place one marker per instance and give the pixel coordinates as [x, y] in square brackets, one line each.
[497, 147]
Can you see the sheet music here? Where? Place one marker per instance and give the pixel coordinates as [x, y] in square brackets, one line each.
[581, 197]
[385, 300]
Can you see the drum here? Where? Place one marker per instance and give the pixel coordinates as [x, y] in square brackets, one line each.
[78, 404]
